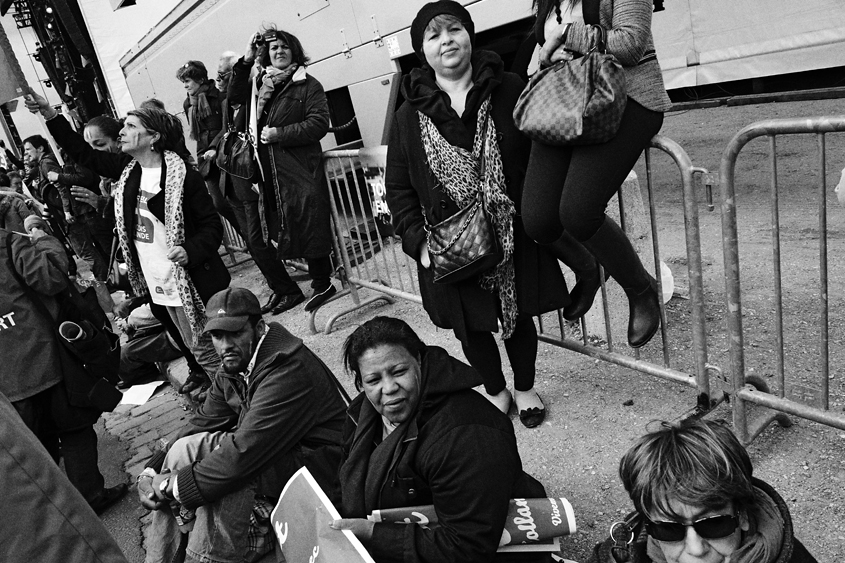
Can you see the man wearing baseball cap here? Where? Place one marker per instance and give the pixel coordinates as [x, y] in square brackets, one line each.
[274, 406]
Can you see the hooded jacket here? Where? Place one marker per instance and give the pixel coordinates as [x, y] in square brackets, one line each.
[457, 452]
[791, 550]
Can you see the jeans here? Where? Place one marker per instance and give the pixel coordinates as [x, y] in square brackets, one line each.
[203, 350]
[81, 236]
[219, 533]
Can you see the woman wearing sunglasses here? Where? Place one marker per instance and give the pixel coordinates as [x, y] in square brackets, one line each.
[696, 502]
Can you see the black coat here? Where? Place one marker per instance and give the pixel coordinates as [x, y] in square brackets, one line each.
[411, 186]
[210, 127]
[295, 197]
[458, 453]
[792, 550]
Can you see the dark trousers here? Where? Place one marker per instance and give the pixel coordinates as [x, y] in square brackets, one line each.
[91, 240]
[138, 356]
[274, 271]
[221, 203]
[78, 447]
[567, 188]
[482, 353]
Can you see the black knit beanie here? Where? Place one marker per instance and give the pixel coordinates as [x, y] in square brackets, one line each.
[429, 12]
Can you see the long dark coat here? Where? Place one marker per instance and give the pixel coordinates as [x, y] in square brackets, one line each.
[295, 197]
[410, 184]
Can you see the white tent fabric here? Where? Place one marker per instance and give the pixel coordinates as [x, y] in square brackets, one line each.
[740, 39]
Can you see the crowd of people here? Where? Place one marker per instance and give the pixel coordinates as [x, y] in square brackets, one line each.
[418, 432]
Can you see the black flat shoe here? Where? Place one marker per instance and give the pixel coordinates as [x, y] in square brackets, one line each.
[288, 302]
[272, 303]
[108, 497]
[534, 416]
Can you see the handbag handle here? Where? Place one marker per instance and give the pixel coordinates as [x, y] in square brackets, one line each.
[590, 11]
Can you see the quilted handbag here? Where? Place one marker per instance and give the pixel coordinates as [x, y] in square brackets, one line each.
[464, 245]
[575, 102]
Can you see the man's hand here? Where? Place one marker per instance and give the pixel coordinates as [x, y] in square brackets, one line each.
[178, 255]
[53, 176]
[361, 527]
[209, 154]
[147, 495]
[70, 218]
[37, 233]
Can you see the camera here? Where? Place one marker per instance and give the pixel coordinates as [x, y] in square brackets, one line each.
[265, 38]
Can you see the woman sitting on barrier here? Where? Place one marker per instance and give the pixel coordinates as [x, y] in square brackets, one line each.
[288, 114]
[567, 187]
[167, 227]
[418, 434]
[696, 501]
[458, 105]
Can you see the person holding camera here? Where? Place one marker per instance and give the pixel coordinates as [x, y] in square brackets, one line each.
[288, 114]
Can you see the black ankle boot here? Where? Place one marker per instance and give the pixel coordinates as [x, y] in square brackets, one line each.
[610, 245]
[586, 269]
[583, 294]
[644, 315]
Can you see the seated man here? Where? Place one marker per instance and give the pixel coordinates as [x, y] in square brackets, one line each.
[696, 501]
[273, 408]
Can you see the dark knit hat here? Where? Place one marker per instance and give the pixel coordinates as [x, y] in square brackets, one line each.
[429, 12]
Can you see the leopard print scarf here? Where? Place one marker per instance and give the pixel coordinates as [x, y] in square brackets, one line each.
[174, 227]
[458, 172]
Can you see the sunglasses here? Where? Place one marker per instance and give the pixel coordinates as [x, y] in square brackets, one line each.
[710, 528]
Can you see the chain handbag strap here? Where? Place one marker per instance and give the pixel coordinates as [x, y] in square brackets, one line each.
[481, 171]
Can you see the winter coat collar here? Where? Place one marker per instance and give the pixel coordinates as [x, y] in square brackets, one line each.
[423, 94]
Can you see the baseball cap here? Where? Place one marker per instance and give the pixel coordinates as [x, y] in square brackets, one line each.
[230, 309]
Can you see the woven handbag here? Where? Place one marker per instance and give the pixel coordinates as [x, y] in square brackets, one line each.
[575, 102]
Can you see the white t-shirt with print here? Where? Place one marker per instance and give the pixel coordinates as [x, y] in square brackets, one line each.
[151, 244]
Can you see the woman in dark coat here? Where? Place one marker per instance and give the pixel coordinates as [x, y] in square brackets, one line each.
[167, 227]
[434, 145]
[419, 435]
[288, 114]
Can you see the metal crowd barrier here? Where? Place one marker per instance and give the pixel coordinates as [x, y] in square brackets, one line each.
[789, 397]
[699, 377]
[372, 258]
[234, 244]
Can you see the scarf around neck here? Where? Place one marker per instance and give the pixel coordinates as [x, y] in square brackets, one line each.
[271, 79]
[174, 227]
[200, 108]
[762, 543]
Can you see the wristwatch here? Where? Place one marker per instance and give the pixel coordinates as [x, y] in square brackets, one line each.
[162, 488]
